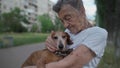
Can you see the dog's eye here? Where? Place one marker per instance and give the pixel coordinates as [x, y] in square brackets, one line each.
[55, 37]
[63, 36]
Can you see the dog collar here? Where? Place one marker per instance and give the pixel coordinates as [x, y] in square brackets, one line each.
[63, 53]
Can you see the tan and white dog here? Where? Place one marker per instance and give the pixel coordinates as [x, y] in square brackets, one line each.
[42, 57]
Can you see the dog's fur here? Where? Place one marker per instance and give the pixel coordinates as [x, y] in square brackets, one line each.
[42, 57]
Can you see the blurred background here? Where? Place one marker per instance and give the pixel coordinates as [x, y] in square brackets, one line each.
[29, 22]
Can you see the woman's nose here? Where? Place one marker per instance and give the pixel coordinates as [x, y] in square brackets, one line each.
[66, 25]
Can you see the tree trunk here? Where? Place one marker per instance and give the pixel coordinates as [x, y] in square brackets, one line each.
[109, 11]
[117, 30]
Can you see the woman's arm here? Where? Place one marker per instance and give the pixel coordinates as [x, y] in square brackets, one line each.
[77, 59]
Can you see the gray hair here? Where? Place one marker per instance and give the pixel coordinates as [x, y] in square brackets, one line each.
[77, 4]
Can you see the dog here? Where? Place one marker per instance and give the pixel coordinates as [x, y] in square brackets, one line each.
[42, 57]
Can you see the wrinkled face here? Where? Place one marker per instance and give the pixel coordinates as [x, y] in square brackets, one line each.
[71, 18]
[62, 39]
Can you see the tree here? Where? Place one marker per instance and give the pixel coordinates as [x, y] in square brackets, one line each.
[11, 21]
[46, 23]
[58, 25]
[109, 14]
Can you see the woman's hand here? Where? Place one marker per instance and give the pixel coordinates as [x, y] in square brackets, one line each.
[30, 67]
[50, 44]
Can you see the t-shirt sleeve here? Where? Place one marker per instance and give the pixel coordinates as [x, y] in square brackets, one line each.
[96, 42]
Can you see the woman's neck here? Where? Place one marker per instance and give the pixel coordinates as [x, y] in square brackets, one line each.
[87, 25]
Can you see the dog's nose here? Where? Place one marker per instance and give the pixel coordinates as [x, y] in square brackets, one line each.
[61, 47]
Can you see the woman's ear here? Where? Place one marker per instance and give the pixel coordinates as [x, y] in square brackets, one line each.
[69, 41]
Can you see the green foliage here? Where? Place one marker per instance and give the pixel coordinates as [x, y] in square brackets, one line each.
[34, 28]
[46, 23]
[10, 22]
[25, 38]
[108, 60]
[30, 38]
[100, 13]
[1, 26]
[58, 24]
[1, 43]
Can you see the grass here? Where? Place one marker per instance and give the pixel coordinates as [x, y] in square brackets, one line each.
[109, 60]
[25, 38]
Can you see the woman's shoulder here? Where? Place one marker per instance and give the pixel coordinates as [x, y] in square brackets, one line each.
[91, 31]
[96, 29]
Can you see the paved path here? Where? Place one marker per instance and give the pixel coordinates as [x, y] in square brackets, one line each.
[15, 56]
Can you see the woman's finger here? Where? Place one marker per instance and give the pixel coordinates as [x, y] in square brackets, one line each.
[30, 67]
[50, 42]
[51, 48]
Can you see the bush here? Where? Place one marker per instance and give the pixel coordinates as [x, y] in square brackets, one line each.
[10, 22]
[34, 28]
[108, 60]
[58, 25]
[46, 23]
[1, 26]
[24, 38]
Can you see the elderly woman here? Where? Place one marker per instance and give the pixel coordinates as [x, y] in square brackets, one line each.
[89, 41]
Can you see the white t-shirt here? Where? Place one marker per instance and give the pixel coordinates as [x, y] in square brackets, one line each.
[94, 38]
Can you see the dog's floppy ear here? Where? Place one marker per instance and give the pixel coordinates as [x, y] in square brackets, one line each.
[69, 41]
[52, 34]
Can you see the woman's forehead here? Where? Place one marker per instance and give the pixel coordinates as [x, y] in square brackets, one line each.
[67, 9]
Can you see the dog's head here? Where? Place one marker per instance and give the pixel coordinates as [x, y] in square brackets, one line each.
[62, 39]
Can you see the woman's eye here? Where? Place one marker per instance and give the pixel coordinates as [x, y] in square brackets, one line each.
[67, 18]
[55, 37]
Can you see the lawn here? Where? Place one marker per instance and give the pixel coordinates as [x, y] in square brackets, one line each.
[24, 38]
[108, 60]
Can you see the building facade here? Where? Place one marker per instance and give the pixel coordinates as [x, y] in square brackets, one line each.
[31, 8]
